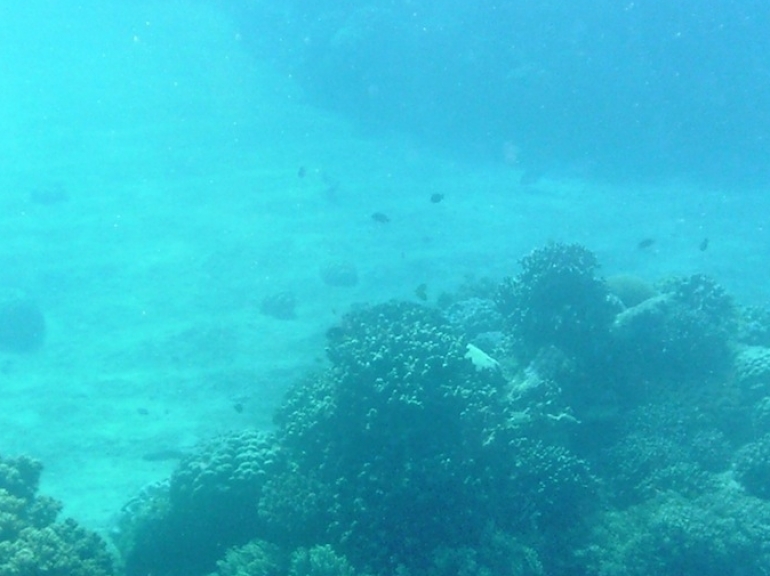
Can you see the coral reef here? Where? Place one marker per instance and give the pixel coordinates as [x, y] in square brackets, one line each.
[716, 534]
[593, 437]
[406, 435]
[32, 541]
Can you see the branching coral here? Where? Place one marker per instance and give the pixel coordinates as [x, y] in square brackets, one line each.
[558, 300]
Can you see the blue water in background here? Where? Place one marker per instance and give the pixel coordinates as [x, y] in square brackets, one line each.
[624, 90]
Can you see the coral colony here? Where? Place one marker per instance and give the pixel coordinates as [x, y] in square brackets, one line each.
[561, 424]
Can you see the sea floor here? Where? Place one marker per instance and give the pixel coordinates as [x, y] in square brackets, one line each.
[150, 243]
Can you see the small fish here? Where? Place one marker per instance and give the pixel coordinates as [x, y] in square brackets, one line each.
[646, 243]
[421, 292]
[302, 172]
[436, 198]
[704, 244]
[380, 218]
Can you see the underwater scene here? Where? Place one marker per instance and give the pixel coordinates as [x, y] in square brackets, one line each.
[385, 288]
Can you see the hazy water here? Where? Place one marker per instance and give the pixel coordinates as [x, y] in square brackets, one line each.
[212, 153]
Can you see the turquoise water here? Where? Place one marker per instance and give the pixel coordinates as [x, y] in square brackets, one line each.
[169, 166]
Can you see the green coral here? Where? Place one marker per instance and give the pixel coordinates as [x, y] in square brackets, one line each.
[32, 541]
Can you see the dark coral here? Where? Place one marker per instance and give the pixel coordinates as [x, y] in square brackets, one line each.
[210, 504]
[403, 447]
[390, 427]
[558, 300]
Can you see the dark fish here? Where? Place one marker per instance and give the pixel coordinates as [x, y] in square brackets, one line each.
[646, 243]
[436, 198]
[380, 218]
[421, 292]
[703, 245]
[302, 172]
[238, 407]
